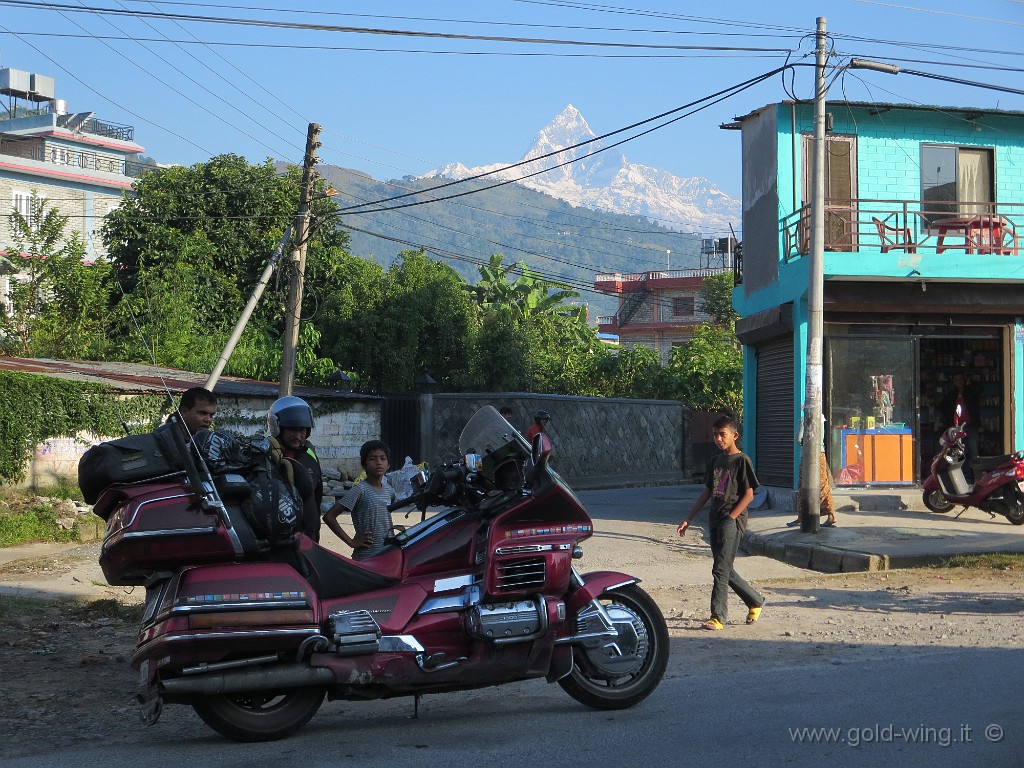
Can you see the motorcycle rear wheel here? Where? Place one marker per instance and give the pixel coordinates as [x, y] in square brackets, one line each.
[937, 502]
[600, 681]
[259, 715]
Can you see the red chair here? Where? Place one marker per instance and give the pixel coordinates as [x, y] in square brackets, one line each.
[888, 234]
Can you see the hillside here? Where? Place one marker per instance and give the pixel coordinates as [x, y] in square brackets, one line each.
[552, 237]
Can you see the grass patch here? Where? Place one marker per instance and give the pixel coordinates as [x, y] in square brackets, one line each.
[12, 605]
[31, 516]
[106, 608]
[993, 562]
[32, 523]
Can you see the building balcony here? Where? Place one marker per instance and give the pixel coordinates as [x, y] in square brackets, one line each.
[918, 228]
[68, 158]
[97, 127]
[626, 282]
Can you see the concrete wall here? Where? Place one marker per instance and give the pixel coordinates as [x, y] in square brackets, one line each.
[598, 442]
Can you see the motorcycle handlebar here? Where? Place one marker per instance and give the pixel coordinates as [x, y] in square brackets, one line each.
[440, 488]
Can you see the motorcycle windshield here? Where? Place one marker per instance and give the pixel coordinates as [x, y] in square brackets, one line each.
[488, 433]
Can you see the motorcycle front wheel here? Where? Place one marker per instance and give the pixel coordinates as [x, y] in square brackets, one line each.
[259, 715]
[937, 502]
[605, 679]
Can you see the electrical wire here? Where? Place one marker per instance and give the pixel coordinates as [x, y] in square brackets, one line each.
[712, 99]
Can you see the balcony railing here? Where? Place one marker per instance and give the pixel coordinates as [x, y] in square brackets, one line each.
[72, 158]
[909, 226]
[100, 128]
[664, 274]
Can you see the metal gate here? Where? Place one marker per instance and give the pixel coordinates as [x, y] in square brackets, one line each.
[400, 427]
[773, 430]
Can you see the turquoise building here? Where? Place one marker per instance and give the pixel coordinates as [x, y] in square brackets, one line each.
[924, 280]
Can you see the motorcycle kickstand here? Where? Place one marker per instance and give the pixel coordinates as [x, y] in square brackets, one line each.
[416, 706]
[960, 513]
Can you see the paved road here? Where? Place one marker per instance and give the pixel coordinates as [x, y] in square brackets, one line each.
[900, 711]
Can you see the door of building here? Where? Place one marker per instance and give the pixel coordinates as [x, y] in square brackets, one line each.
[840, 189]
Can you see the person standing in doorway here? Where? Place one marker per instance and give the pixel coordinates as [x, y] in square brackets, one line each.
[729, 484]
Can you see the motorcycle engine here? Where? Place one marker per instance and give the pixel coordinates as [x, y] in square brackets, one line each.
[506, 622]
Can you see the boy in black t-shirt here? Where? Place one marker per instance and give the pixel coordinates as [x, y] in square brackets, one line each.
[729, 483]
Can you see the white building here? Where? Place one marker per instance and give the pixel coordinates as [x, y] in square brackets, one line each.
[79, 163]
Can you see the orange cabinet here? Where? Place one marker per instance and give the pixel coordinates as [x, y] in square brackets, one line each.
[877, 455]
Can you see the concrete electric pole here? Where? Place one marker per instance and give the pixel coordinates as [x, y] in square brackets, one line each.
[810, 488]
[293, 309]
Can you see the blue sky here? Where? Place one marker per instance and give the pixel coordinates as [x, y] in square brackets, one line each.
[405, 104]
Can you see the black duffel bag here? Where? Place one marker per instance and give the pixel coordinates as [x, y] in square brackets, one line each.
[127, 460]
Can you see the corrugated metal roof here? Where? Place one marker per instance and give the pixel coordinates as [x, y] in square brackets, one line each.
[885, 106]
[138, 378]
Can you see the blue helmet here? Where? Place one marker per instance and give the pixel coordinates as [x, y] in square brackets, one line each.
[289, 412]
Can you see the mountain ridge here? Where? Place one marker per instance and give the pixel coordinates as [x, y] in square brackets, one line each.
[593, 176]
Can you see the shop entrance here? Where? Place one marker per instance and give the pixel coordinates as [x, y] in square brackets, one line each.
[890, 395]
[979, 359]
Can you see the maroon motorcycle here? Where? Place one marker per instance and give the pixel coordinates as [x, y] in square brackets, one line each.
[253, 629]
[998, 488]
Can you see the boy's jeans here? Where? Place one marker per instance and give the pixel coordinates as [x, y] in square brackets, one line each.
[725, 540]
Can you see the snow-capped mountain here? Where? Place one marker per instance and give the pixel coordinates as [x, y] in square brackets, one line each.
[608, 181]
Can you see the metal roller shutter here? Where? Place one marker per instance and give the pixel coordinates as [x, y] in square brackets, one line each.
[773, 432]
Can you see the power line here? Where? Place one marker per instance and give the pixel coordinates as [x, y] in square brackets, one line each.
[303, 26]
[713, 98]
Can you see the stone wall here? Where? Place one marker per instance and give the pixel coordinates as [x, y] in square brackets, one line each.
[598, 442]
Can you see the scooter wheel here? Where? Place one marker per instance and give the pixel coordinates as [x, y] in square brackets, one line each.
[937, 502]
[1017, 515]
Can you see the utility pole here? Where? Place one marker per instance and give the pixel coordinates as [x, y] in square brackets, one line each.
[293, 309]
[810, 490]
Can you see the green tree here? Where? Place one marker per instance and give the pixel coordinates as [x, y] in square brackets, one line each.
[634, 372]
[715, 297]
[189, 246]
[57, 302]
[708, 371]
[387, 327]
[531, 336]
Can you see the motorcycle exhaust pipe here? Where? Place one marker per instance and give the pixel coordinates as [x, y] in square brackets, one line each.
[251, 679]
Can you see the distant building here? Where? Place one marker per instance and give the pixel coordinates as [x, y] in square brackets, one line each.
[79, 163]
[656, 309]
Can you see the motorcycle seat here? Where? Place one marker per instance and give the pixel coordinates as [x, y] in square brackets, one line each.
[338, 576]
[985, 463]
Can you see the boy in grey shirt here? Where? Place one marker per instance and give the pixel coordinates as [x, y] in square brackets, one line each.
[368, 502]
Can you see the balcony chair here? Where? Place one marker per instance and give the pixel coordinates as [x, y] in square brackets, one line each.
[888, 234]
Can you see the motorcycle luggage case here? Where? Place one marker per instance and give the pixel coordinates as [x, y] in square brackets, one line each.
[127, 460]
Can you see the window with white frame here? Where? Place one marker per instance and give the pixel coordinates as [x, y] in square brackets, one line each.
[21, 201]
